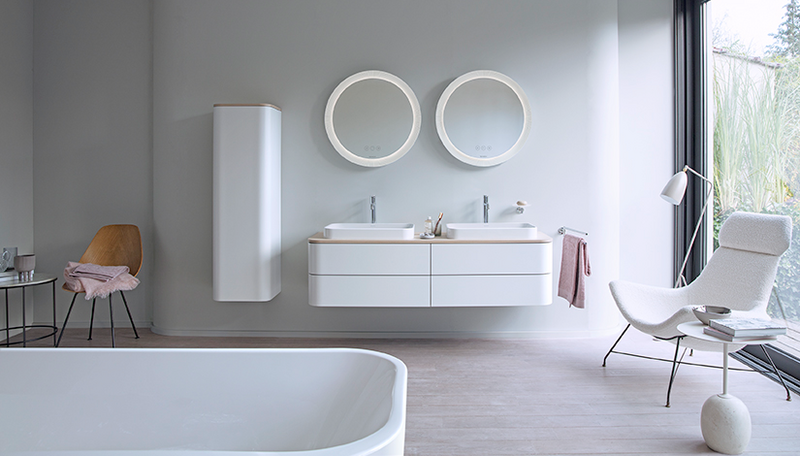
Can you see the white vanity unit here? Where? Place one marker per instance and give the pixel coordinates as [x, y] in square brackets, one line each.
[437, 272]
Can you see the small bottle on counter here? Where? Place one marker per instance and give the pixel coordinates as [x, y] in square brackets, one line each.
[427, 232]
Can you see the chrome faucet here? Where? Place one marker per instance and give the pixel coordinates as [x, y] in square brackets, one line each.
[372, 207]
[485, 208]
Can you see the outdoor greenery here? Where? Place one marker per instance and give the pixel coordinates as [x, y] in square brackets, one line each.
[787, 40]
[757, 141]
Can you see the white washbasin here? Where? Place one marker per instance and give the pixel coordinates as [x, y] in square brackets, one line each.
[489, 231]
[369, 231]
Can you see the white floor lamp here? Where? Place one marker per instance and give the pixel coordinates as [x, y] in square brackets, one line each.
[673, 192]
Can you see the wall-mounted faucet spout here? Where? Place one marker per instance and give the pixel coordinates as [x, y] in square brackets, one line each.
[372, 207]
[485, 208]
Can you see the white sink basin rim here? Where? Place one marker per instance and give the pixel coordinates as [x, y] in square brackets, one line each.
[355, 231]
[492, 231]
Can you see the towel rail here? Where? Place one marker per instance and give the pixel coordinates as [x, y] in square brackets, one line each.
[564, 229]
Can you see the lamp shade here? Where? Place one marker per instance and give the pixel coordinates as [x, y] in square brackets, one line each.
[675, 188]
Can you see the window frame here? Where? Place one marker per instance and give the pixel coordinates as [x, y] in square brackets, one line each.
[692, 149]
[690, 132]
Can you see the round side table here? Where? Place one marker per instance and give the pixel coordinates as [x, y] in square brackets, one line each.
[724, 419]
[38, 279]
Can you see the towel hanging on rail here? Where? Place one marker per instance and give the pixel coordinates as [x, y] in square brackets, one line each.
[575, 268]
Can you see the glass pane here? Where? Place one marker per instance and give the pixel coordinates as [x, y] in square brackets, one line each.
[756, 125]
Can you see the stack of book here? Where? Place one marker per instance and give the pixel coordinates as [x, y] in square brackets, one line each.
[744, 329]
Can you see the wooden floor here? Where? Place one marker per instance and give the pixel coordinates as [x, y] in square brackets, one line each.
[549, 397]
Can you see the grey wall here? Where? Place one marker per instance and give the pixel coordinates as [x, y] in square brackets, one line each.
[92, 129]
[123, 95]
[16, 130]
[293, 54]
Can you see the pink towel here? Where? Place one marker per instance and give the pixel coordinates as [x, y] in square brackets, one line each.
[97, 272]
[574, 270]
[97, 288]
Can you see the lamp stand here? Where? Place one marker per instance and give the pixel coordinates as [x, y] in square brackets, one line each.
[681, 280]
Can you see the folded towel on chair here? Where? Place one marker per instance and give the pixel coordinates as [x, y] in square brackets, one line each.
[95, 288]
[97, 272]
[574, 269]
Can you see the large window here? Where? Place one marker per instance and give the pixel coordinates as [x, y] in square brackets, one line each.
[753, 98]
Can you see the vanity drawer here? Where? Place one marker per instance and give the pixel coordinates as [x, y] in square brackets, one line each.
[369, 291]
[491, 291]
[369, 259]
[491, 259]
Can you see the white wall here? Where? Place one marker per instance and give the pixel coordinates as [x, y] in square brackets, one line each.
[92, 130]
[647, 140]
[16, 134]
[577, 60]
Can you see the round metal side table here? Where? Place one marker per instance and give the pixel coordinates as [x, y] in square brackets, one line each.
[38, 279]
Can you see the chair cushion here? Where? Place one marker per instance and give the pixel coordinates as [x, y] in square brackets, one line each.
[762, 233]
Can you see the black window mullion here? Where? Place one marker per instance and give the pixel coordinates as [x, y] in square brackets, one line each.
[690, 132]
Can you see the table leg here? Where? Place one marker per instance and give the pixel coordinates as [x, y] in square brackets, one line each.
[724, 419]
[24, 334]
[8, 331]
[55, 327]
[725, 369]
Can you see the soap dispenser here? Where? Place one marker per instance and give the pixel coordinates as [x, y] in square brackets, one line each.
[428, 233]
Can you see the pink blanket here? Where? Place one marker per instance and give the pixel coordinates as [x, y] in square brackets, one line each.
[101, 273]
[82, 281]
[574, 270]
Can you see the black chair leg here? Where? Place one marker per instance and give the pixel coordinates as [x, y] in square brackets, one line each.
[777, 372]
[111, 319]
[91, 321]
[675, 365]
[615, 344]
[129, 313]
[66, 319]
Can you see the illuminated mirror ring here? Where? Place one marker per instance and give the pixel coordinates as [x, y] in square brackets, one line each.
[516, 102]
[410, 124]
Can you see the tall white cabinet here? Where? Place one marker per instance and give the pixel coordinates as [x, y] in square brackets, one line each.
[247, 202]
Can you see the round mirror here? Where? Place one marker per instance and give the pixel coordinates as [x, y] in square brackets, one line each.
[372, 118]
[483, 118]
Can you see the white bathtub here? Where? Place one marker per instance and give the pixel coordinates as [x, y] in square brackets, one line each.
[320, 402]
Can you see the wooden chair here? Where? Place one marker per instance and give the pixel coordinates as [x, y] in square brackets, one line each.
[113, 245]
